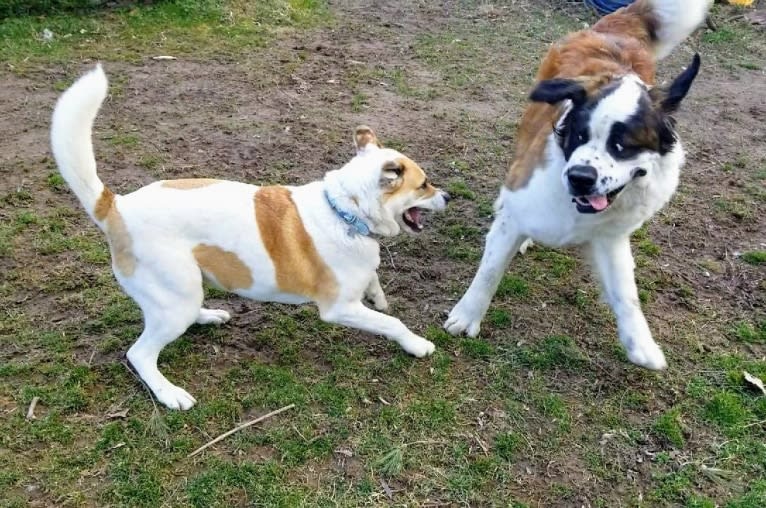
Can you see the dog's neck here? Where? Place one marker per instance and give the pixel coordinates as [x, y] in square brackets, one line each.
[356, 226]
[345, 204]
[354, 192]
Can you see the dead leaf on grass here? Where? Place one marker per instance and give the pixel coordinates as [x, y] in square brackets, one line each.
[756, 17]
[118, 414]
[754, 381]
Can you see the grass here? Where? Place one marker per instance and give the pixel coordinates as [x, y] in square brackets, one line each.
[756, 257]
[541, 403]
[668, 427]
[512, 286]
[174, 27]
[751, 333]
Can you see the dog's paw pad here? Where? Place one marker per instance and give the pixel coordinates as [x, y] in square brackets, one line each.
[212, 317]
[175, 397]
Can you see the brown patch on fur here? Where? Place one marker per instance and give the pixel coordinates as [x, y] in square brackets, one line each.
[618, 44]
[536, 125]
[120, 243]
[103, 204]
[227, 268]
[189, 183]
[411, 179]
[299, 268]
[363, 136]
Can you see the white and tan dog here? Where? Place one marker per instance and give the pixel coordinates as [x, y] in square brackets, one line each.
[280, 244]
[596, 156]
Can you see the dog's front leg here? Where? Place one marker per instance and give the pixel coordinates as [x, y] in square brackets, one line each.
[356, 315]
[375, 294]
[613, 261]
[503, 241]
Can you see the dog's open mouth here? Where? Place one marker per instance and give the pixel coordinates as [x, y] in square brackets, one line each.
[596, 203]
[413, 218]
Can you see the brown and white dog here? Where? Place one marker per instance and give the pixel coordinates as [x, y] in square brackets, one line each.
[282, 244]
[596, 156]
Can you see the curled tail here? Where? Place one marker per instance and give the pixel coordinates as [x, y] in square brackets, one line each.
[72, 146]
[664, 24]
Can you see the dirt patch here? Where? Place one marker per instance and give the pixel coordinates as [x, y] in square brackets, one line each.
[285, 114]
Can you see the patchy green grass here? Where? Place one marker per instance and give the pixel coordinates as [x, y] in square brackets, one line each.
[171, 27]
[538, 405]
[459, 189]
[752, 333]
[512, 286]
[668, 427]
[755, 257]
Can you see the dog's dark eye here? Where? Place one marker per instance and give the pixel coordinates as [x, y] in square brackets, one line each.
[425, 184]
[573, 131]
[621, 149]
[622, 143]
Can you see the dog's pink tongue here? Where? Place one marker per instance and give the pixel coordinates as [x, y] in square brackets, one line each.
[598, 202]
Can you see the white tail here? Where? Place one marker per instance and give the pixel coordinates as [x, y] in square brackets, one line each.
[676, 19]
[71, 137]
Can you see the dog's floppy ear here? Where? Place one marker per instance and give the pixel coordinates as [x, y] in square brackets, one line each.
[365, 139]
[554, 91]
[668, 99]
[391, 174]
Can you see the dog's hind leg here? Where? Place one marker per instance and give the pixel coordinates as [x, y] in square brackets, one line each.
[170, 297]
[503, 241]
[356, 315]
[614, 263]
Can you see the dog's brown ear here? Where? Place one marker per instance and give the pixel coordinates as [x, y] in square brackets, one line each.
[365, 138]
[391, 174]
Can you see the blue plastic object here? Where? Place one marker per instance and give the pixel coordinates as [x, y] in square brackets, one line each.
[607, 6]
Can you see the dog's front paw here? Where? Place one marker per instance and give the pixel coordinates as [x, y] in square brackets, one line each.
[462, 319]
[418, 346]
[175, 397]
[647, 354]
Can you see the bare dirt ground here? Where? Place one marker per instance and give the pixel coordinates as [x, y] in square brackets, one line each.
[544, 410]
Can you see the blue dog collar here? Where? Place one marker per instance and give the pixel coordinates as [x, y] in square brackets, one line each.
[356, 225]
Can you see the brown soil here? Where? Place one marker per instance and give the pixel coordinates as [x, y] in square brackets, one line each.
[284, 115]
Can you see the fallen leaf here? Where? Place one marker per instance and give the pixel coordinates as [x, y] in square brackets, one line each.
[164, 57]
[386, 489]
[754, 381]
[344, 451]
[118, 414]
[756, 17]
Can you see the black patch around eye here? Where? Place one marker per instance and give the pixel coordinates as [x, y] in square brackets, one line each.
[667, 135]
[574, 131]
[619, 145]
[647, 130]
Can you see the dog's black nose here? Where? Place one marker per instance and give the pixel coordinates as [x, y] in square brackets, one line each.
[582, 179]
[446, 197]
